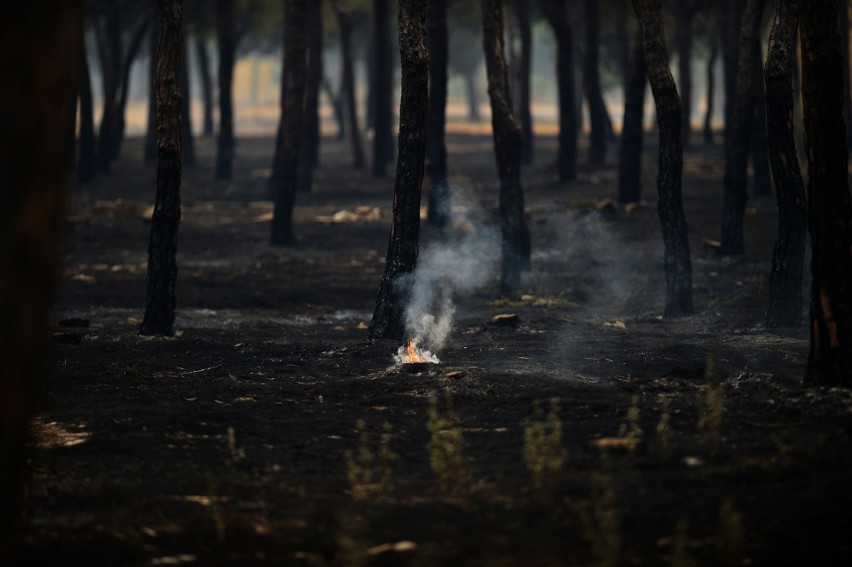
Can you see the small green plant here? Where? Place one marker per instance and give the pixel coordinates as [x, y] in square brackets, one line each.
[446, 446]
[631, 430]
[730, 543]
[544, 452]
[663, 429]
[370, 472]
[237, 453]
[711, 407]
[601, 520]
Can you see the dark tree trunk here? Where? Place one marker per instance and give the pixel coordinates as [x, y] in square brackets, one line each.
[109, 49]
[669, 177]
[843, 9]
[206, 86]
[630, 159]
[132, 51]
[383, 88]
[344, 22]
[388, 321]
[566, 157]
[733, 14]
[39, 50]
[336, 104]
[711, 88]
[758, 149]
[227, 30]
[785, 279]
[290, 131]
[522, 12]
[592, 85]
[309, 153]
[151, 131]
[736, 152]
[515, 234]
[162, 265]
[829, 203]
[436, 149]
[188, 155]
[683, 40]
[86, 164]
[472, 97]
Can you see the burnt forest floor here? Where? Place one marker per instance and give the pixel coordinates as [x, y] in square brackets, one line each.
[269, 430]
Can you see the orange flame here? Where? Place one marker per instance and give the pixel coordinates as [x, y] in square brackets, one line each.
[414, 353]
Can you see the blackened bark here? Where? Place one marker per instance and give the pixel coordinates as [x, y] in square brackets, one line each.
[151, 131]
[337, 102]
[309, 153]
[829, 202]
[436, 149]
[344, 22]
[162, 250]
[683, 40]
[108, 34]
[736, 152]
[522, 13]
[711, 88]
[206, 86]
[383, 87]
[515, 234]
[785, 279]
[630, 158]
[39, 51]
[132, 51]
[566, 156]
[86, 164]
[758, 150]
[669, 177]
[843, 9]
[188, 152]
[733, 14]
[290, 131]
[403, 243]
[227, 35]
[592, 85]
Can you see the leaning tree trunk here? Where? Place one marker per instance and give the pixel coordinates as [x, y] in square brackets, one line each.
[39, 51]
[86, 164]
[132, 51]
[472, 96]
[109, 48]
[290, 130]
[733, 15]
[829, 202]
[309, 153]
[592, 85]
[388, 321]
[785, 279]
[669, 176]
[711, 89]
[758, 149]
[162, 264]
[630, 158]
[736, 152]
[188, 156]
[383, 87]
[515, 234]
[683, 39]
[344, 22]
[227, 15]
[436, 149]
[151, 131]
[566, 153]
[206, 86]
[522, 12]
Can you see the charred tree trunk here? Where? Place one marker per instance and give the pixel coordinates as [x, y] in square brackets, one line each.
[758, 149]
[86, 164]
[711, 88]
[669, 177]
[436, 149]
[736, 152]
[785, 279]
[630, 159]
[388, 321]
[132, 51]
[290, 130]
[515, 234]
[309, 153]
[472, 97]
[383, 87]
[733, 15]
[162, 265]
[206, 86]
[226, 12]
[843, 9]
[566, 156]
[592, 85]
[829, 203]
[337, 103]
[522, 12]
[683, 40]
[344, 22]
[151, 131]
[188, 152]
[109, 48]
[39, 49]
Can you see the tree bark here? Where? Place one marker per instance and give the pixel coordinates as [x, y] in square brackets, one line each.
[630, 159]
[736, 152]
[383, 87]
[843, 9]
[206, 86]
[162, 250]
[566, 156]
[403, 243]
[592, 85]
[108, 34]
[829, 202]
[711, 89]
[669, 177]
[515, 235]
[226, 12]
[683, 40]
[733, 15]
[758, 150]
[188, 153]
[86, 165]
[522, 13]
[785, 279]
[39, 50]
[436, 149]
[309, 153]
[290, 130]
[344, 22]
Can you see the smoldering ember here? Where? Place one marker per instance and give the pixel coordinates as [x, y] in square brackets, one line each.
[444, 282]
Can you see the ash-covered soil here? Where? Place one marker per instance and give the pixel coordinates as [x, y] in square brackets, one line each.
[270, 430]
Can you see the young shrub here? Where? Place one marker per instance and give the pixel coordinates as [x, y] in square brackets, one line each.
[544, 452]
[446, 447]
[370, 471]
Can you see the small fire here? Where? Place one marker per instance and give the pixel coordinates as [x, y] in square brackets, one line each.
[414, 353]
[410, 353]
